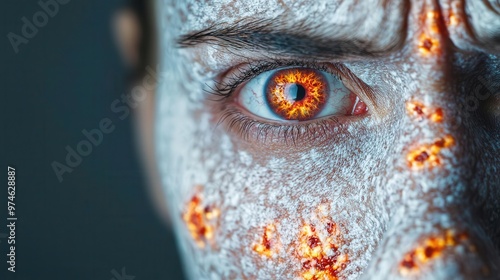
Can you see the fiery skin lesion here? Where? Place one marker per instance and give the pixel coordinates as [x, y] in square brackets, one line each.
[200, 220]
[320, 257]
[452, 14]
[420, 111]
[430, 249]
[317, 247]
[427, 44]
[268, 244]
[452, 20]
[428, 41]
[429, 155]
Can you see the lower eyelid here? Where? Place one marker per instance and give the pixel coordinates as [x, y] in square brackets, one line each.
[241, 126]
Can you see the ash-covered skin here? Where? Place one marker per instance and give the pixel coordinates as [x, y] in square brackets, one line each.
[356, 169]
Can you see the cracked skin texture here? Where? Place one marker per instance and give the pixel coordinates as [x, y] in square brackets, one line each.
[358, 167]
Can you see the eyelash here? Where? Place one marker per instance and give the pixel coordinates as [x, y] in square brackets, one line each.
[286, 133]
[307, 132]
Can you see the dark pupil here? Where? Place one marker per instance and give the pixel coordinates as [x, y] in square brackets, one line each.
[297, 92]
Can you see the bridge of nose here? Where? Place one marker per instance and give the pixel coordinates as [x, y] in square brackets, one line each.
[436, 153]
[433, 233]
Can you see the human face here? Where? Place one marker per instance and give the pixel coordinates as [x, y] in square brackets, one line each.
[402, 182]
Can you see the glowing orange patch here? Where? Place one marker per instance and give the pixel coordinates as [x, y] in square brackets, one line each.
[268, 242]
[200, 220]
[297, 94]
[453, 20]
[321, 258]
[431, 18]
[430, 249]
[428, 42]
[429, 154]
[452, 14]
[437, 115]
[421, 111]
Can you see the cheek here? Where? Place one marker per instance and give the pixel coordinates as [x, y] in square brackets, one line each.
[309, 212]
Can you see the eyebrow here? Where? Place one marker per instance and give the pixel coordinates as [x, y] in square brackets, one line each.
[269, 36]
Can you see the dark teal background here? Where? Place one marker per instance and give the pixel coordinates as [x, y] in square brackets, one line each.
[99, 218]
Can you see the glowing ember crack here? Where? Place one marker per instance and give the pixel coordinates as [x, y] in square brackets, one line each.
[200, 220]
[430, 249]
[428, 42]
[317, 247]
[267, 246]
[420, 111]
[320, 257]
[429, 155]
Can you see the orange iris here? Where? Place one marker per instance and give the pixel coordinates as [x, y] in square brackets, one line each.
[297, 93]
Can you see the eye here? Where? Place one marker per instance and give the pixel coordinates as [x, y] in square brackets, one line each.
[298, 94]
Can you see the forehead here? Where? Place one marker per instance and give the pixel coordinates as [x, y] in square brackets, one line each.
[341, 12]
[353, 19]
